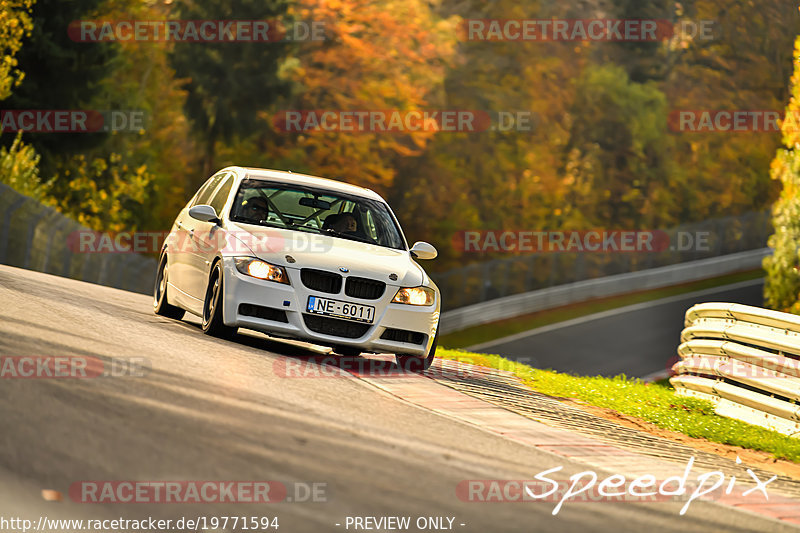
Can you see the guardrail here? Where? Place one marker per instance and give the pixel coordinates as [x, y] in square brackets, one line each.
[744, 359]
[543, 299]
[507, 276]
[35, 236]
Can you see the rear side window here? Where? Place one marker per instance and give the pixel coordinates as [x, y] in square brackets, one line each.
[205, 191]
[218, 201]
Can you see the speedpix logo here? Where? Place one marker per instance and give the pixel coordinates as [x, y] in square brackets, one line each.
[587, 486]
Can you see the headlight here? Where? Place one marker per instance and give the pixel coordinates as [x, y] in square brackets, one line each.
[261, 269]
[414, 296]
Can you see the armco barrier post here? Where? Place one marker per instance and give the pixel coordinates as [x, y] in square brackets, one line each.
[5, 228]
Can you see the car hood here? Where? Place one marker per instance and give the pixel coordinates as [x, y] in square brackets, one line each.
[323, 252]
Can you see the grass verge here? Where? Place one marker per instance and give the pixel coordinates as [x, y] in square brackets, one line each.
[503, 328]
[655, 402]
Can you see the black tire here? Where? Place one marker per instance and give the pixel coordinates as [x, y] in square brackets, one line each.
[212, 307]
[161, 306]
[417, 363]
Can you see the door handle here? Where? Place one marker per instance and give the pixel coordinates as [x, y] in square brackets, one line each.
[184, 228]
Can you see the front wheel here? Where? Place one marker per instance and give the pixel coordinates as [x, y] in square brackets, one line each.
[417, 363]
[160, 304]
[212, 307]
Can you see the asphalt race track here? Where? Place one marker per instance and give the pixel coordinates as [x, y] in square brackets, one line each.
[636, 340]
[218, 410]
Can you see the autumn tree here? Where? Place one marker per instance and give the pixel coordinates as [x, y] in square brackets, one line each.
[18, 162]
[374, 57]
[15, 23]
[492, 178]
[742, 62]
[782, 283]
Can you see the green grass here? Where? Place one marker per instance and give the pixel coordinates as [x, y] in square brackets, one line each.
[496, 330]
[656, 403]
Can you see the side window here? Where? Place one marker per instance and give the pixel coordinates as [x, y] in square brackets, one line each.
[221, 196]
[205, 191]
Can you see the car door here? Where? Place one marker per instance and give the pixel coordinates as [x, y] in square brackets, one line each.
[208, 238]
[183, 259]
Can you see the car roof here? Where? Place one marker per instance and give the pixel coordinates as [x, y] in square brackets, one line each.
[305, 179]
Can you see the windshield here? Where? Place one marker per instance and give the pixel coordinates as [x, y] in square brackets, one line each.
[317, 211]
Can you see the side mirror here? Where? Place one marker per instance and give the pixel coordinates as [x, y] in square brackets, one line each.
[204, 213]
[423, 250]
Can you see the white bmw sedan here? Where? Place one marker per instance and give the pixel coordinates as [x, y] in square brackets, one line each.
[300, 257]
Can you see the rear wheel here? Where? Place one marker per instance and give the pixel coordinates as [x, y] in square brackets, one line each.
[418, 363]
[212, 307]
[160, 304]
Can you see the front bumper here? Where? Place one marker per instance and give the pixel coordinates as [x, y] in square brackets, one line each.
[291, 299]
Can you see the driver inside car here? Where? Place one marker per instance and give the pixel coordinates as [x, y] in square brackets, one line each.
[345, 223]
[255, 208]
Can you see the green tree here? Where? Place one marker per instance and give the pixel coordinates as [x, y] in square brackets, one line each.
[617, 159]
[61, 74]
[228, 83]
[643, 60]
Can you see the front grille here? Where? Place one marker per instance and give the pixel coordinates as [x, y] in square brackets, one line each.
[267, 313]
[403, 335]
[368, 289]
[319, 280]
[335, 327]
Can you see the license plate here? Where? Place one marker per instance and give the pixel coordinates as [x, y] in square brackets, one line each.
[340, 309]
